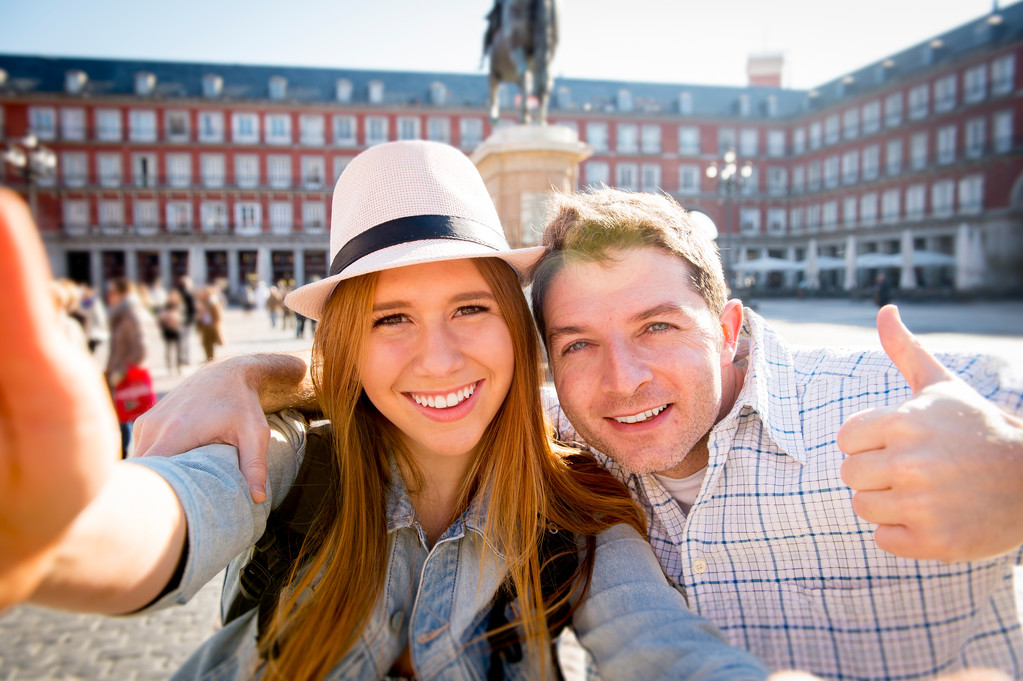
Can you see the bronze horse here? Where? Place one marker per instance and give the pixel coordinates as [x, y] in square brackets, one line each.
[521, 38]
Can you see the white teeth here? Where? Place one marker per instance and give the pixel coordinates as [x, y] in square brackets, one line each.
[642, 416]
[442, 402]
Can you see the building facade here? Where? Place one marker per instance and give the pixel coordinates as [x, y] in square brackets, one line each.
[910, 166]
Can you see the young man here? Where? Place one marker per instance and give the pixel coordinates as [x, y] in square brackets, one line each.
[731, 439]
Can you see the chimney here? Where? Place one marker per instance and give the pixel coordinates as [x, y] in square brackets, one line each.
[764, 70]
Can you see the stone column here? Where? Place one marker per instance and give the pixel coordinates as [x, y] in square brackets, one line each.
[165, 268]
[264, 266]
[299, 267]
[96, 269]
[197, 266]
[234, 283]
[131, 265]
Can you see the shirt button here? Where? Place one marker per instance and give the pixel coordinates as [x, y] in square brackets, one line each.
[396, 618]
[699, 566]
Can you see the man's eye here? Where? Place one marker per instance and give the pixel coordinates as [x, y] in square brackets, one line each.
[660, 326]
[575, 347]
[390, 320]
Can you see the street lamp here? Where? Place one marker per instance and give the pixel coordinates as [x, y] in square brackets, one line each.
[33, 161]
[732, 177]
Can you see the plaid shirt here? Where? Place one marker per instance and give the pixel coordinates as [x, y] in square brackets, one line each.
[773, 554]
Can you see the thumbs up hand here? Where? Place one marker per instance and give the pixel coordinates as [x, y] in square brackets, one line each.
[940, 474]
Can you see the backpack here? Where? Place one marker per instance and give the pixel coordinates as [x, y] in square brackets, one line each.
[262, 578]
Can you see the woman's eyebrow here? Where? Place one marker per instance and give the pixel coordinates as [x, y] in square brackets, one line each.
[387, 305]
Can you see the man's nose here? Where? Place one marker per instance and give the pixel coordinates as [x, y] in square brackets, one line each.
[624, 370]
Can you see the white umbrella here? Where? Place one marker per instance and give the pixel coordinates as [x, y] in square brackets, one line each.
[813, 271]
[932, 259]
[850, 263]
[830, 262]
[907, 278]
[878, 260]
[768, 264]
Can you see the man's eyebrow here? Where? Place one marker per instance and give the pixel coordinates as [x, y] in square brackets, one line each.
[663, 309]
[559, 331]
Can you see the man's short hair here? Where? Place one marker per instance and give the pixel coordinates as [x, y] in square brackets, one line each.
[590, 226]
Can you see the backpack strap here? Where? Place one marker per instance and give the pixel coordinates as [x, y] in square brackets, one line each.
[261, 580]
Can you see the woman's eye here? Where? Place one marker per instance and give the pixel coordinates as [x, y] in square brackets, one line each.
[471, 309]
[390, 320]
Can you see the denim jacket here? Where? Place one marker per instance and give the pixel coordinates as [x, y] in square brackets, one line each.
[436, 599]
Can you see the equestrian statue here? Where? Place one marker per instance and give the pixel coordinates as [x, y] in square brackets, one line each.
[520, 39]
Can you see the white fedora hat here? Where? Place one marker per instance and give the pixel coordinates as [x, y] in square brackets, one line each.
[405, 203]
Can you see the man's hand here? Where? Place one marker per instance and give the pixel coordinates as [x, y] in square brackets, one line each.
[225, 403]
[940, 474]
[58, 432]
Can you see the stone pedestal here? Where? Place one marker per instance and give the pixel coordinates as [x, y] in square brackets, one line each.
[520, 166]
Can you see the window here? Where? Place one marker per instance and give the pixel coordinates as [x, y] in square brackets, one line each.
[851, 124]
[628, 138]
[751, 186]
[248, 217]
[813, 176]
[142, 126]
[831, 165]
[890, 206]
[278, 87]
[42, 121]
[212, 85]
[749, 142]
[74, 169]
[777, 181]
[975, 84]
[971, 194]
[918, 102]
[918, 151]
[111, 215]
[726, 140]
[470, 132]
[871, 117]
[776, 143]
[246, 171]
[176, 126]
[438, 94]
[146, 216]
[942, 198]
[375, 92]
[596, 137]
[376, 130]
[850, 167]
[408, 128]
[798, 179]
[975, 133]
[108, 167]
[871, 162]
[108, 125]
[1003, 135]
[893, 110]
[340, 163]
[947, 144]
[625, 176]
[179, 170]
[799, 141]
[744, 105]
[597, 173]
[796, 219]
[749, 220]
[245, 128]
[651, 177]
[651, 139]
[278, 171]
[1003, 75]
[776, 221]
[214, 216]
[916, 197]
[689, 179]
[829, 215]
[624, 100]
[179, 216]
[438, 129]
[211, 126]
[688, 140]
[278, 129]
[212, 168]
[344, 131]
[280, 217]
[849, 205]
[343, 90]
[868, 209]
[313, 169]
[893, 157]
[815, 136]
[685, 103]
[314, 217]
[72, 124]
[76, 216]
[945, 94]
[143, 170]
[831, 129]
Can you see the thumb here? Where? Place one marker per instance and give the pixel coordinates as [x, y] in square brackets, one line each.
[918, 366]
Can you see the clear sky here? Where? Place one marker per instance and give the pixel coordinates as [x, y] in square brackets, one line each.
[680, 41]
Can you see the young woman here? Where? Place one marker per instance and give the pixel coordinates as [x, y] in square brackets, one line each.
[427, 365]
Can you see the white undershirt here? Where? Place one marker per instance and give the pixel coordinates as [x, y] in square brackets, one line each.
[683, 490]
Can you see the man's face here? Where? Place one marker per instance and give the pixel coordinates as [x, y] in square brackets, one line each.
[637, 357]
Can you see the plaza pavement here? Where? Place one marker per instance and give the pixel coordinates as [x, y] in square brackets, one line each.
[37, 644]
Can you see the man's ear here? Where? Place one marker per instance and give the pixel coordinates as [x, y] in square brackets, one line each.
[731, 323]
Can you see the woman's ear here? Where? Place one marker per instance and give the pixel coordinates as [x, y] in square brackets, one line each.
[731, 324]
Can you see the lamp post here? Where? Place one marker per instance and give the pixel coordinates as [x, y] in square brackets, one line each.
[732, 177]
[33, 161]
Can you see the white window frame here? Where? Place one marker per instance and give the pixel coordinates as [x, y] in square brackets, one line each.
[776, 221]
[850, 167]
[438, 129]
[42, 122]
[211, 127]
[945, 93]
[346, 130]
[246, 171]
[311, 130]
[832, 129]
[798, 179]
[213, 217]
[650, 177]
[142, 125]
[179, 170]
[1003, 74]
[689, 179]
[108, 125]
[893, 106]
[627, 176]
[749, 142]
[871, 166]
[851, 124]
[946, 143]
[282, 217]
[816, 135]
[597, 137]
[971, 195]
[74, 168]
[943, 194]
[72, 124]
[245, 127]
[776, 143]
[598, 173]
[176, 126]
[213, 168]
[314, 217]
[409, 128]
[868, 209]
[749, 221]
[108, 170]
[1002, 131]
[850, 212]
[918, 150]
[975, 84]
[248, 217]
[144, 172]
[796, 219]
[777, 180]
[688, 140]
[890, 206]
[111, 215]
[871, 117]
[146, 216]
[893, 157]
[829, 215]
[314, 172]
[278, 128]
[377, 130]
[976, 137]
[470, 132]
[278, 171]
[76, 216]
[650, 139]
[919, 102]
[179, 217]
[799, 141]
[627, 138]
[916, 201]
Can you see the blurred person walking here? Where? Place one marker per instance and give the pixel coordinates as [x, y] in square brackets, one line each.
[97, 330]
[126, 364]
[208, 315]
[171, 319]
[184, 289]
